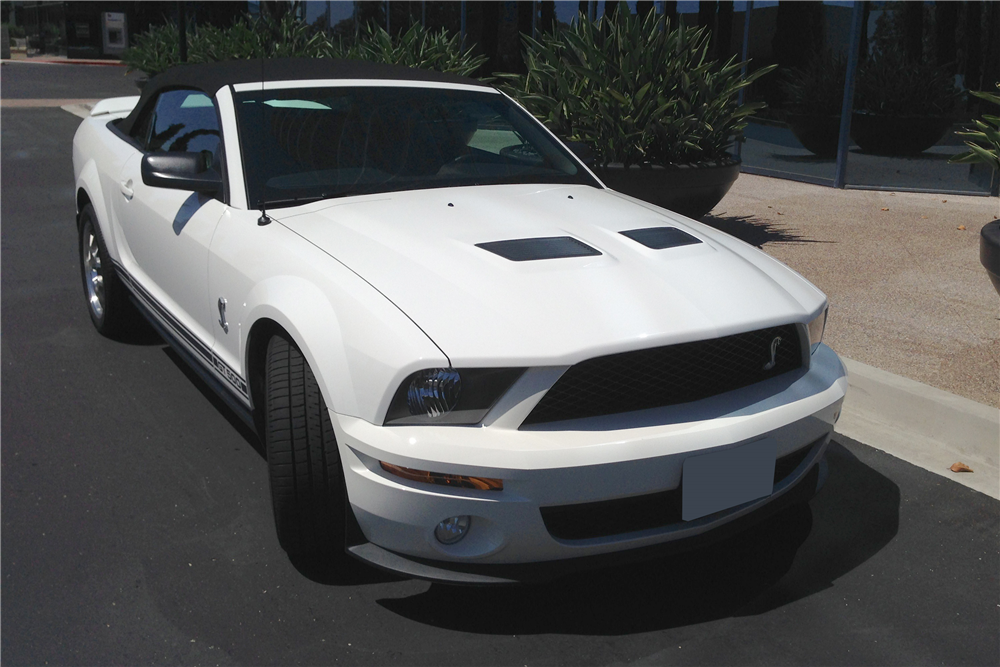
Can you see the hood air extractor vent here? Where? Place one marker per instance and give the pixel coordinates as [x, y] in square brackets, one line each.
[659, 238]
[551, 247]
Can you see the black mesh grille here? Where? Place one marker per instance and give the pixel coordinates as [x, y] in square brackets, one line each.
[628, 515]
[668, 375]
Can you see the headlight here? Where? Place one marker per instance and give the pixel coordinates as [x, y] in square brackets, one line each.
[816, 328]
[449, 396]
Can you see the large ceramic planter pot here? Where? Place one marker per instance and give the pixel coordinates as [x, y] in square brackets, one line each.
[691, 190]
[989, 251]
[897, 135]
[817, 133]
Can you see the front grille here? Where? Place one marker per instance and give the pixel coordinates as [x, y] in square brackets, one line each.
[628, 515]
[668, 375]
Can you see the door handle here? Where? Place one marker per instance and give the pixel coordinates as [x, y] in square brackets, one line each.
[126, 188]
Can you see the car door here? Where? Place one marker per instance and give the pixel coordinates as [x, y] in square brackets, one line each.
[167, 232]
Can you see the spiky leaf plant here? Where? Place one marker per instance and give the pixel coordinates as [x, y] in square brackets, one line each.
[158, 48]
[984, 141]
[638, 90]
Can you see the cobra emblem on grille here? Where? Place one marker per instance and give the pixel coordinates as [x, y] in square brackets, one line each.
[774, 351]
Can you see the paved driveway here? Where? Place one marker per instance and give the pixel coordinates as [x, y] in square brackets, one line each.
[137, 529]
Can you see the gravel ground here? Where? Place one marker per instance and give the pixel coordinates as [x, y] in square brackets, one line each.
[907, 292]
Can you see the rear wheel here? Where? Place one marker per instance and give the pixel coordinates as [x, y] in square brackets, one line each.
[307, 481]
[107, 299]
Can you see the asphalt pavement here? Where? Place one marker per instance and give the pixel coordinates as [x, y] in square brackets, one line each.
[137, 528]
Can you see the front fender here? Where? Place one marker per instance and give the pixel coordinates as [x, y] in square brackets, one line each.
[359, 346]
[89, 181]
[98, 158]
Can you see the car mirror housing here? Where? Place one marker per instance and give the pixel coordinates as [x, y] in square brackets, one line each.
[180, 171]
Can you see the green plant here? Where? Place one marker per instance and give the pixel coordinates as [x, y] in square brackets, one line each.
[984, 141]
[637, 90]
[15, 30]
[158, 48]
[890, 84]
[417, 47]
[818, 87]
[155, 50]
[260, 37]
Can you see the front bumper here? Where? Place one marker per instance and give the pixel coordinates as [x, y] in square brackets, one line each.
[586, 462]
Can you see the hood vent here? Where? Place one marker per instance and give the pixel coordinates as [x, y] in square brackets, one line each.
[659, 238]
[551, 247]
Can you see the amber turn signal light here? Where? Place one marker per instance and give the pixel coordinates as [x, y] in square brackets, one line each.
[441, 479]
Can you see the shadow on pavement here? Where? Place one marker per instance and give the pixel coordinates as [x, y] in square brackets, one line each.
[343, 571]
[247, 433]
[140, 332]
[791, 555]
[753, 230]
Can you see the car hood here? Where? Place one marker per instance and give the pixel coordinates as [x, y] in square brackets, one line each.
[419, 249]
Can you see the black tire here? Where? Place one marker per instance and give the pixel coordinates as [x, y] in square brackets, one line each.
[307, 481]
[107, 298]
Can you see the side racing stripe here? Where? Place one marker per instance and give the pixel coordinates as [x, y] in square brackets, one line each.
[201, 351]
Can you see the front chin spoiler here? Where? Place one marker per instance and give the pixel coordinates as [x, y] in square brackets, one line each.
[472, 574]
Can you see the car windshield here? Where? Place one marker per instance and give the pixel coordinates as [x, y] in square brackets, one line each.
[305, 144]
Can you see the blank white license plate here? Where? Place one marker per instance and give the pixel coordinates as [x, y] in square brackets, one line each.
[720, 480]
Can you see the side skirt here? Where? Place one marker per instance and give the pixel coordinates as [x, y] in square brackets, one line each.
[234, 402]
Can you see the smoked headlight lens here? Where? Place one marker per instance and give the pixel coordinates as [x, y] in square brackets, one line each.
[816, 328]
[433, 392]
[449, 396]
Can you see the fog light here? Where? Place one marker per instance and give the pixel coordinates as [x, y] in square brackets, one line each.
[452, 530]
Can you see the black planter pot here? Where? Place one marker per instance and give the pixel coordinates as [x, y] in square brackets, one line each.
[989, 251]
[817, 134]
[691, 190]
[897, 135]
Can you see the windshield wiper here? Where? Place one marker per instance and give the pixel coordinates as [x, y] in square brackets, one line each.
[270, 203]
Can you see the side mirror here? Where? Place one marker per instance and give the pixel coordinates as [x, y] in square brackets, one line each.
[180, 171]
[584, 152]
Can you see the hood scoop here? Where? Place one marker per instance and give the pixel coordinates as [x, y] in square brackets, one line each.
[550, 247]
[659, 238]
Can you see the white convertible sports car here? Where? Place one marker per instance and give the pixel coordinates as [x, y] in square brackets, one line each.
[469, 361]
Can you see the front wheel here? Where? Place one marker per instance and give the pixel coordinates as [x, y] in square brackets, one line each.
[107, 299]
[307, 481]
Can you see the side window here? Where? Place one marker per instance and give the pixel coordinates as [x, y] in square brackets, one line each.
[181, 120]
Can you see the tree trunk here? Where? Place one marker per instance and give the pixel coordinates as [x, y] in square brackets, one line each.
[724, 46]
[974, 45]
[945, 22]
[913, 35]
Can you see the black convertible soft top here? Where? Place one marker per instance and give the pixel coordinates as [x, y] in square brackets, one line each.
[210, 77]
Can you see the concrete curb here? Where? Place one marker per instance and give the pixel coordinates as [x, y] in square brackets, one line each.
[64, 61]
[923, 425]
[81, 109]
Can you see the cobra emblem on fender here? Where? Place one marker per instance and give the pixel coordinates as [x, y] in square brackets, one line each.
[774, 351]
[222, 315]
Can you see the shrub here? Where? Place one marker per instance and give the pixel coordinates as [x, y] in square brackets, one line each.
[155, 50]
[818, 87]
[890, 84]
[15, 31]
[158, 48]
[417, 47]
[984, 141]
[637, 91]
